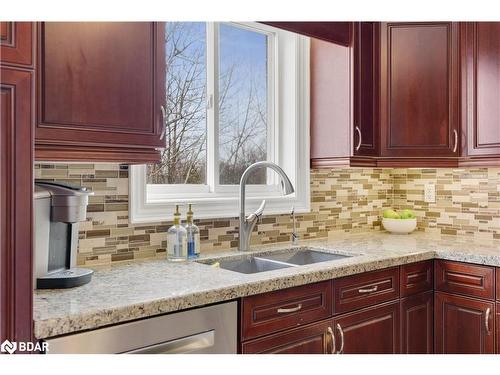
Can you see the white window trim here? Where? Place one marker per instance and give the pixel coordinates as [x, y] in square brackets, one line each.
[291, 137]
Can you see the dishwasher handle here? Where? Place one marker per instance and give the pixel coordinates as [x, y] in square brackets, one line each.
[186, 344]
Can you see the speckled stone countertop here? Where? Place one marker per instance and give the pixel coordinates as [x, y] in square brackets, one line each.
[139, 289]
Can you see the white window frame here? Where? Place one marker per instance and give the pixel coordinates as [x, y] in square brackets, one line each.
[288, 107]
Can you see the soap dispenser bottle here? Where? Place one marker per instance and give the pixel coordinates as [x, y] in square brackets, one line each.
[193, 236]
[176, 239]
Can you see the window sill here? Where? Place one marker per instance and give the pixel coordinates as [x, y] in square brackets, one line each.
[216, 208]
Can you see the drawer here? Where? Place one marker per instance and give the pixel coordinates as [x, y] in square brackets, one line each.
[275, 311]
[313, 338]
[463, 278]
[366, 289]
[416, 278]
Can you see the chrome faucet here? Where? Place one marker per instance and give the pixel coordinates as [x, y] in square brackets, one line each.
[247, 223]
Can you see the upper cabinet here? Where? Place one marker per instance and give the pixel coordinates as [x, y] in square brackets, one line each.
[366, 84]
[16, 44]
[419, 81]
[481, 92]
[406, 96]
[100, 91]
[333, 32]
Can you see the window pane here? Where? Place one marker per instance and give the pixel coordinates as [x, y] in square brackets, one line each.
[184, 158]
[242, 103]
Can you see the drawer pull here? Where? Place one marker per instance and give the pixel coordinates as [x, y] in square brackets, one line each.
[290, 310]
[341, 331]
[487, 321]
[332, 335]
[358, 146]
[369, 290]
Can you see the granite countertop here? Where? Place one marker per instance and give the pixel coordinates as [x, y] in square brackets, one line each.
[139, 289]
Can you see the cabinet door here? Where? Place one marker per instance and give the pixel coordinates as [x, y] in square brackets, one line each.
[417, 324]
[482, 82]
[463, 325]
[419, 89]
[366, 85]
[498, 328]
[16, 197]
[374, 330]
[315, 338]
[101, 85]
[16, 43]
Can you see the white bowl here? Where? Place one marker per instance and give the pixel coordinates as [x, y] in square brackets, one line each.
[399, 226]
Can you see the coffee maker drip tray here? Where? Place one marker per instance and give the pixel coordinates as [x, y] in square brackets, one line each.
[65, 278]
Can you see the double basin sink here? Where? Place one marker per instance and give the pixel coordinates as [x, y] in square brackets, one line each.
[276, 260]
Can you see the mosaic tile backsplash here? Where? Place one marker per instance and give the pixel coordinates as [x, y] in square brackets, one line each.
[341, 199]
[467, 200]
[467, 203]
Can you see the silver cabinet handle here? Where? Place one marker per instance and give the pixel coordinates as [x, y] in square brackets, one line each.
[359, 138]
[184, 345]
[455, 145]
[291, 309]
[329, 331]
[339, 328]
[164, 122]
[369, 290]
[487, 321]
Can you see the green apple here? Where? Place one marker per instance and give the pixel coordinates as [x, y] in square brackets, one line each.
[390, 214]
[407, 214]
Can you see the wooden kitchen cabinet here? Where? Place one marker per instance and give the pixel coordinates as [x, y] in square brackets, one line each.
[366, 88]
[315, 338]
[406, 96]
[16, 204]
[374, 330]
[498, 327]
[100, 91]
[463, 325]
[419, 90]
[417, 324]
[481, 92]
[16, 44]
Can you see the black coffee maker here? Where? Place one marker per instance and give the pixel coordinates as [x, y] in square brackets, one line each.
[59, 207]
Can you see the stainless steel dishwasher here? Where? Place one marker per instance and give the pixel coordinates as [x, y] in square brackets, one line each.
[211, 329]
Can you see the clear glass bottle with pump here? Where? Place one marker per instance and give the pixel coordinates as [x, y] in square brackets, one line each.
[177, 239]
[193, 236]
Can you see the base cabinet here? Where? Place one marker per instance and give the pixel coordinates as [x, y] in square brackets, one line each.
[463, 325]
[374, 330]
[417, 331]
[315, 338]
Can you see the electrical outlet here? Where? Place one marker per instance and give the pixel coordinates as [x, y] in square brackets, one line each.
[430, 193]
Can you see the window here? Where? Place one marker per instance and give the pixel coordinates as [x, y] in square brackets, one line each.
[237, 93]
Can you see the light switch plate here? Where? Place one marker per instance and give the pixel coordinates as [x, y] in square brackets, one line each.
[430, 193]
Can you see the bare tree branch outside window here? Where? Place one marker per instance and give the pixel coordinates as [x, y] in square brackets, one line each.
[242, 105]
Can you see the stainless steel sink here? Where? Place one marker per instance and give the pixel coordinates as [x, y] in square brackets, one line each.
[275, 261]
[304, 257]
[251, 265]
